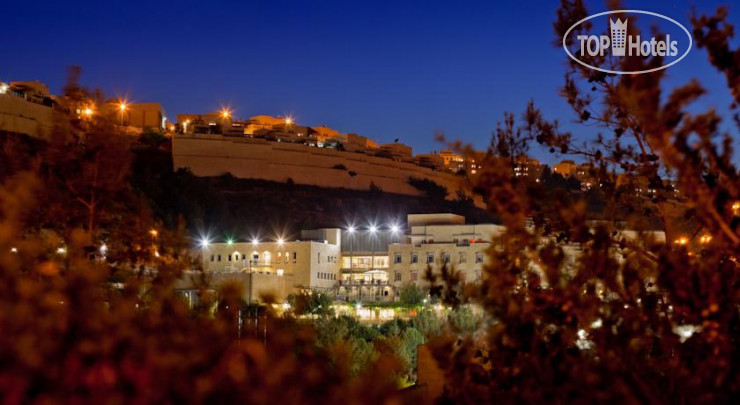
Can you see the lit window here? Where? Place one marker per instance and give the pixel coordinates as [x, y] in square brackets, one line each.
[280, 272]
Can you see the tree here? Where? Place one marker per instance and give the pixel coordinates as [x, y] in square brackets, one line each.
[411, 294]
[632, 319]
[311, 303]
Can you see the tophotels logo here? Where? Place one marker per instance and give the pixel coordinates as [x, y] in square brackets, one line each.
[620, 44]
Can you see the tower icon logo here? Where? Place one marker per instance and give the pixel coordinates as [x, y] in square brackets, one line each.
[619, 36]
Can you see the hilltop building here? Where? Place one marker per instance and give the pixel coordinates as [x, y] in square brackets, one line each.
[528, 168]
[565, 168]
[26, 108]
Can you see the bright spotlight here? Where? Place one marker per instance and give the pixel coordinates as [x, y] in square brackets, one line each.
[351, 229]
[255, 241]
[204, 243]
[229, 241]
[373, 228]
[395, 228]
[280, 241]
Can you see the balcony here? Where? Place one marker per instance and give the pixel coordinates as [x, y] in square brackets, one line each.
[362, 283]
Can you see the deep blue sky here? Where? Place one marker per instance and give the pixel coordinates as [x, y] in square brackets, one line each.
[385, 69]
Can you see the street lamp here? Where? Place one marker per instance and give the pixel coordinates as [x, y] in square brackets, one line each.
[122, 107]
[225, 114]
[204, 243]
[288, 120]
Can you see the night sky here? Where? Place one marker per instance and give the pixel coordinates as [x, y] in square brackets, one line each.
[385, 69]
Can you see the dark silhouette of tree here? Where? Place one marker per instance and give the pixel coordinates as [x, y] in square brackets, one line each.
[583, 311]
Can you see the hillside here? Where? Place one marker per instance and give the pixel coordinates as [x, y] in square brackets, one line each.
[243, 208]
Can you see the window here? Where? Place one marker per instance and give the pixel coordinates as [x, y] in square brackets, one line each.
[479, 257]
[414, 276]
[280, 272]
[462, 257]
[446, 257]
[280, 256]
[397, 276]
[295, 256]
[430, 258]
[219, 258]
[318, 257]
[397, 258]
[414, 258]
[213, 257]
[228, 258]
[236, 256]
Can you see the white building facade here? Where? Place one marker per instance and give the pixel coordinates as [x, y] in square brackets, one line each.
[435, 240]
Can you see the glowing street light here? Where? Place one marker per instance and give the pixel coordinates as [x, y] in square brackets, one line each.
[682, 241]
[395, 228]
[204, 243]
[288, 120]
[255, 241]
[87, 112]
[373, 228]
[351, 229]
[225, 114]
[229, 241]
[154, 233]
[280, 241]
[122, 107]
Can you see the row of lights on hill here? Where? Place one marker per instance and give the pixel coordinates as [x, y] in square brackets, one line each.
[225, 113]
[89, 110]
